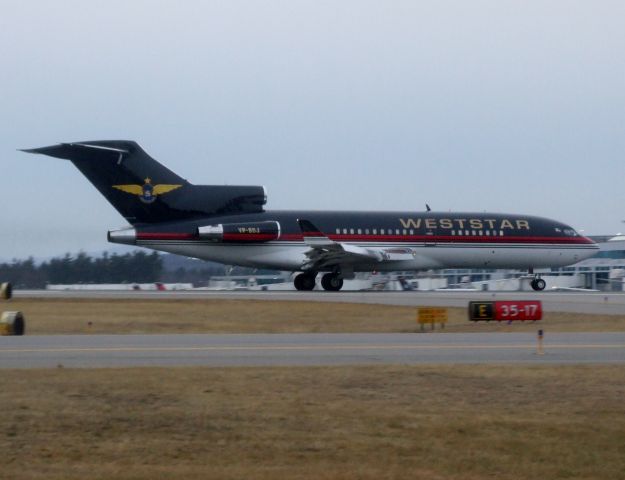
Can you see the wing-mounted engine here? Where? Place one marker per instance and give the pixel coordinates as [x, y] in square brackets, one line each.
[240, 232]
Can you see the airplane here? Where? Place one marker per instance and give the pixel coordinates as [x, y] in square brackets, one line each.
[229, 224]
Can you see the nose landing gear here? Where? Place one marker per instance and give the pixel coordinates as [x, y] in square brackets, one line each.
[538, 284]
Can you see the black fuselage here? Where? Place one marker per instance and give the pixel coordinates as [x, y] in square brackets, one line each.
[229, 224]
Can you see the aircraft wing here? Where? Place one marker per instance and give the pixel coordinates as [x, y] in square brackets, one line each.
[325, 252]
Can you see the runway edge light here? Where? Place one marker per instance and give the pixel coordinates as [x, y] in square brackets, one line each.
[540, 347]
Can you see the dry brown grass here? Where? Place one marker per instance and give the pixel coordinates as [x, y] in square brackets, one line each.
[429, 422]
[45, 316]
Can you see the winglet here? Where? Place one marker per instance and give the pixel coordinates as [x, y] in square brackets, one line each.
[313, 236]
[308, 229]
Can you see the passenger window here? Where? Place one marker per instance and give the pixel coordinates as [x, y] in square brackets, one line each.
[381, 231]
[367, 231]
[375, 231]
[405, 232]
[338, 230]
[344, 231]
[411, 231]
[359, 231]
[351, 231]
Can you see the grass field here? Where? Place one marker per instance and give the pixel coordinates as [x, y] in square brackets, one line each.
[420, 422]
[49, 316]
[369, 422]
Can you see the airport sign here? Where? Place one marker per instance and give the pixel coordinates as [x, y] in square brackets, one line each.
[507, 311]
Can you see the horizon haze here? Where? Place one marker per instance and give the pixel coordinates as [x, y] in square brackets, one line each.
[500, 106]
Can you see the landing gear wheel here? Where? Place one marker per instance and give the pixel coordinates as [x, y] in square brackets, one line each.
[331, 282]
[538, 284]
[304, 281]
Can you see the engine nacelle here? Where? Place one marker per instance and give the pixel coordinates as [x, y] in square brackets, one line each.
[127, 236]
[240, 232]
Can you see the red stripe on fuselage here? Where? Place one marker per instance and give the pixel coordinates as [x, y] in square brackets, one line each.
[298, 237]
[249, 237]
[447, 239]
[227, 237]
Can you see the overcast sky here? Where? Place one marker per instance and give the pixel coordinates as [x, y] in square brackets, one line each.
[506, 106]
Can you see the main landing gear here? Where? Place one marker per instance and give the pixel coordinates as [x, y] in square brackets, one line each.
[331, 282]
[305, 281]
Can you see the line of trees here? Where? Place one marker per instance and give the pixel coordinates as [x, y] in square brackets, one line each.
[134, 267]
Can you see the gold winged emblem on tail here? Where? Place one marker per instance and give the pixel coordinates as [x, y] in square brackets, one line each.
[147, 192]
[133, 189]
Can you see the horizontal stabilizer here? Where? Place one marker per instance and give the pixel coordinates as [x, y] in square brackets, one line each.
[68, 151]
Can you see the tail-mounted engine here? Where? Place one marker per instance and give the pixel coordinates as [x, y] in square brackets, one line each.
[240, 232]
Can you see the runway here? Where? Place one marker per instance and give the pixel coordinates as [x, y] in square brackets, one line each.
[600, 303]
[88, 351]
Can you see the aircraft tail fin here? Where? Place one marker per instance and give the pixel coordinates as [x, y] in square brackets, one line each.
[144, 191]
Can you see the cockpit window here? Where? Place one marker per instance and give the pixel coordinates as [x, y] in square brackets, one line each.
[569, 232]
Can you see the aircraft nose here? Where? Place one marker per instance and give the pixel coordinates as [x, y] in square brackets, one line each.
[591, 249]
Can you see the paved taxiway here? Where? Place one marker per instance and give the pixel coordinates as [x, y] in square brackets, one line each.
[599, 303]
[306, 349]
